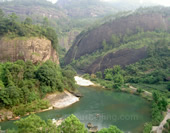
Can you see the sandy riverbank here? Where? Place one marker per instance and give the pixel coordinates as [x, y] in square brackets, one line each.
[65, 99]
[61, 100]
[83, 82]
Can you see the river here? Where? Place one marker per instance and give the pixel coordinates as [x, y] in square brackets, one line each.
[103, 108]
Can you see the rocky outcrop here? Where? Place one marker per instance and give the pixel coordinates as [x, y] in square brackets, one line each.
[22, 48]
[61, 100]
[90, 41]
[67, 41]
[5, 115]
[122, 57]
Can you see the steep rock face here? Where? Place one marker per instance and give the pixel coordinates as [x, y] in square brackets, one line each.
[92, 40]
[66, 41]
[122, 57]
[34, 49]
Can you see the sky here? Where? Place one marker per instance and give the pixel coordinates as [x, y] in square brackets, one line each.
[160, 2]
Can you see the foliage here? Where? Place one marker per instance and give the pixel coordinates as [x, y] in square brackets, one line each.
[166, 127]
[159, 105]
[144, 71]
[147, 128]
[49, 74]
[111, 129]
[112, 77]
[11, 27]
[34, 106]
[23, 84]
[73, 125]
[139, 90]
[34, 124]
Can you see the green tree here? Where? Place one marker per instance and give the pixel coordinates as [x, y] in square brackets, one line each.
[49, 74]
[73, 125]
[32, 124]
[105, 45]
[115, 40]
[45, 22]
[13, 17]
[117, 69]
[108, 74]
[28, 21]
[99, 75]
[118, 81]
[111, 129]
[147, 128]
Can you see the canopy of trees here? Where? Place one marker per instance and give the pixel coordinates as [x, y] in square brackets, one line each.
[34, 124]
[23, 82]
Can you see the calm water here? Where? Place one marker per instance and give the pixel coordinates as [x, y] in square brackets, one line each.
[126, 111]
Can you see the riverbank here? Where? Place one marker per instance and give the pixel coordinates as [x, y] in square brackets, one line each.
[61, 100]
[83, 82]
[158, 129]
[56, 100]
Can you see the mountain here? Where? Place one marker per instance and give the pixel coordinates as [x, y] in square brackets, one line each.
[67, 17]
[118, 42]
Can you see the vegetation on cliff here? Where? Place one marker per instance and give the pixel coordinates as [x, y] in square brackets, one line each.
[23, 84]
[11, 27]
[117, 34]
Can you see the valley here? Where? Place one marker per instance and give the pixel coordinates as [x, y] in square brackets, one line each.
[84, 66]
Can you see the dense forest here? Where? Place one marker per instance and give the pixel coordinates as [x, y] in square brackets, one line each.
[24, 84]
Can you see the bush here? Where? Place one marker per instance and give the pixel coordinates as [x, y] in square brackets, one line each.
[147, 128]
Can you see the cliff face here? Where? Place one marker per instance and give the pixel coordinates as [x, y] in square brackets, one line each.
[34, 49]
[92, 40]
[122, 57]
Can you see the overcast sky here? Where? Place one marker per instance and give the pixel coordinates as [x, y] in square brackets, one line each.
[160, 2]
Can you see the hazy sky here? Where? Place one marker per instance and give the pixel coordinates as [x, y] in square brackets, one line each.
[161, 2]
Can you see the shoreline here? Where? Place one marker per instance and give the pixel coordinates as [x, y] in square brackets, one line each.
[83, 82]
[61, 100]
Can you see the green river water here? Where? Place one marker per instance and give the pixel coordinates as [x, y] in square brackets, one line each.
[127, 111]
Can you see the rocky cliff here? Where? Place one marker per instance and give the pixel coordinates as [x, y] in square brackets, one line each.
[92, 40]
[89, 42]
[34, 49]
[122, 57]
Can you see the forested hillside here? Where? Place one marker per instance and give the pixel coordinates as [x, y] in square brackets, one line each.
[139, 43]
[112, 39]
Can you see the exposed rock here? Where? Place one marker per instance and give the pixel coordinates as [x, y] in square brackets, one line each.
[61, 100]
[83, 82]
[93, 129]
[90, 41]
[122, 57]
[77, 94]
[67, 41]
[5, 115]
[89, 125]
[34, 49]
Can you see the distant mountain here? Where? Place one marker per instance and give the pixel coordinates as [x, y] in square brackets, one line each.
[68, 17]
[119, 41]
